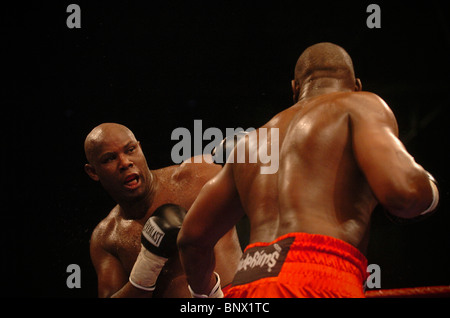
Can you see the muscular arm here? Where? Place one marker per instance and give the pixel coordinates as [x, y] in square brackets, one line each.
[215, 212]
[397, 181]
[112, 278]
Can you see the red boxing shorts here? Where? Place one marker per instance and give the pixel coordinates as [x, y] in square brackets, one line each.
[300, 265]
[226, 288]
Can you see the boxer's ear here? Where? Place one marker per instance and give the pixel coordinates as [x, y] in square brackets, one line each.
[295, 90]
[90, 170]
[358, 85]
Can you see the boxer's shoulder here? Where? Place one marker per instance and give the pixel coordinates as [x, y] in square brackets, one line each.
[359, 100]
[192, 168]
[367, 105]
[106, 228]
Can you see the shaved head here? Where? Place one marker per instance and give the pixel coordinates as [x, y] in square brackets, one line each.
[116, 160]
[324, 60]
[101, 134]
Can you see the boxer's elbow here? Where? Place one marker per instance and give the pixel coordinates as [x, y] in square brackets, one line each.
[183, 241]
[408, 199]
[404, 205]
[189, 241]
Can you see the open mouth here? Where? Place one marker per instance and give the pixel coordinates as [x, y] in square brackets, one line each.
[132, 181]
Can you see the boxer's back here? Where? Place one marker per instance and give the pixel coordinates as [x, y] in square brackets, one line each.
[319, 188]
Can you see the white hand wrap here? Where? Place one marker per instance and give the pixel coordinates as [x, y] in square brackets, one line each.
[435, 190]
[216, 292]
[146, 270]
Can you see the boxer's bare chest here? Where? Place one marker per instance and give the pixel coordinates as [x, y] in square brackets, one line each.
[127, 242]
[126, 236]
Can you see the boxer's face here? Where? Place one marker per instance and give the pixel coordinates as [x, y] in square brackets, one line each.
[120, 166]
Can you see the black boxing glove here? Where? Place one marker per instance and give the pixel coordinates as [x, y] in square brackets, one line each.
[158, 243]
[221, 153]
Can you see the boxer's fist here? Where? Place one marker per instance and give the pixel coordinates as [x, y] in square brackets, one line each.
[159, 235]
[158, 243]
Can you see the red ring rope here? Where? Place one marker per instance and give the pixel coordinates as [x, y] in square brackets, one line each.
[415, 292]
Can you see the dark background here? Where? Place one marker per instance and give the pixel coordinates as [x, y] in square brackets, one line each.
[155, 67]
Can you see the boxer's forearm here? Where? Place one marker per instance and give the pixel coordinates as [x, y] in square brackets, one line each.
[199, 266]
[129, 291]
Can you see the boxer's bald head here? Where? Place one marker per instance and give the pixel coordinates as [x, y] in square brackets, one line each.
[325, 61]
[328, 58]
[104, 134]
[116, 160]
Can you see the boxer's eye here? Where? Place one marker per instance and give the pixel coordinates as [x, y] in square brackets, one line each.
[108, 158]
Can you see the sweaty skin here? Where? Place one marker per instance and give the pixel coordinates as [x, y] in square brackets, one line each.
[117, 161]
[339, 156]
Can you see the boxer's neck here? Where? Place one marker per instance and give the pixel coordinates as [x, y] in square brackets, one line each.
[323, 86]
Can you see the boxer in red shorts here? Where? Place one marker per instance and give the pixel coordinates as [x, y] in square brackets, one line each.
[300, 265]
[339, 156]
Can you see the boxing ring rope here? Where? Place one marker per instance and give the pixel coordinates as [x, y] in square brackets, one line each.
[414, 292]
